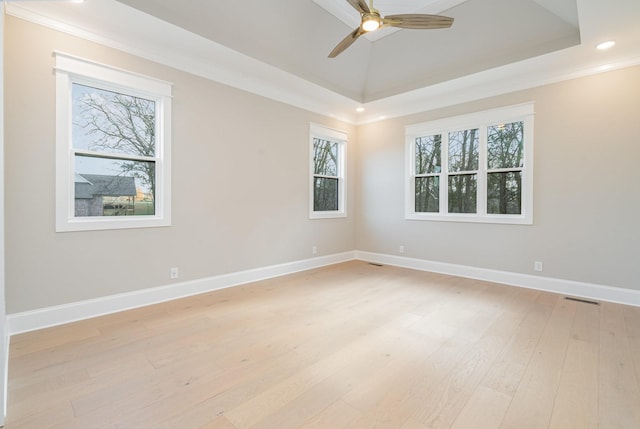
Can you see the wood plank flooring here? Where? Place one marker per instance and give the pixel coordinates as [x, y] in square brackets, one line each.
[347, 346]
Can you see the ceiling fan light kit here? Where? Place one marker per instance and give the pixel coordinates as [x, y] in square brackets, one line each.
[370, 20]
[371, 23]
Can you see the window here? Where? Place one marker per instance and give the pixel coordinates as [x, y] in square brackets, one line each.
[327, 195]
[472, 168]
[113, 148]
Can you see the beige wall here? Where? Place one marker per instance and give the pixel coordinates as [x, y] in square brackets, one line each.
[587, 188]
[240, 185]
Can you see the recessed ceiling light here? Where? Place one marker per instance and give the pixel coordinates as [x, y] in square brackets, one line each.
[360, 109]
[605, 45]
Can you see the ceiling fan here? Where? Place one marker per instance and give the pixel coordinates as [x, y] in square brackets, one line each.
[371, 21]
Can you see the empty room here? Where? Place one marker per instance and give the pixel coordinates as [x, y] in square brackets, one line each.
[399, 214]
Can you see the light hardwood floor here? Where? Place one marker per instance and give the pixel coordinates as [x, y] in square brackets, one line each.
[348, 346]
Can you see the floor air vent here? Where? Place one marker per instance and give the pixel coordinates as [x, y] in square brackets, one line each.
[586, 301]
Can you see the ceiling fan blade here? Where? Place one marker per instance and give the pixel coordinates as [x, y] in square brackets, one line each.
[346, 42]
[417, 21]
[360, 5]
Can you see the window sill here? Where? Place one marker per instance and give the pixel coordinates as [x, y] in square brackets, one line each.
[472, 218]
[327, 215]
[100, 223]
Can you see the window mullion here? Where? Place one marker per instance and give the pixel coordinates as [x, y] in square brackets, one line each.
[444, 175]
[505, 170]
[123, 156]
[414, 148]
[481, 190]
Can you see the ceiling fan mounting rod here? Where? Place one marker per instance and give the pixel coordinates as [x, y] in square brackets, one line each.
[373, 9]
[371, 20]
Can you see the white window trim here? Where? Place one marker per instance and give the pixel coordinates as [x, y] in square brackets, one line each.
[70, 69]
[340, 137]
[520, 112]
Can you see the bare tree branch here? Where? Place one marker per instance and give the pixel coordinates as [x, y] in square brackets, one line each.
[122, 124]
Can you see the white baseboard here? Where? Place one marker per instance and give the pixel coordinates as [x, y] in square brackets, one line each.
[566, 287]
[5, 373]
[61, 314]
[52, 316]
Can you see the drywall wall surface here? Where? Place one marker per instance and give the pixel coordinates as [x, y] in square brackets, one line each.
[586, 199]
[240, 185]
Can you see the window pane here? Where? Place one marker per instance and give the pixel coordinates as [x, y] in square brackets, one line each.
[462, 193]
[325, 194]
[105, 121]
[505, 145]
[463, 150]
[325, 157]
[504, 193]
[428, 154]
[113, 187]
[428, 194]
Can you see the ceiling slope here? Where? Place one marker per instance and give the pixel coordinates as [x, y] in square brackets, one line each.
[279, 50]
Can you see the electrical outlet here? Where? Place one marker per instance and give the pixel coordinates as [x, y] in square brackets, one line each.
[537, 266]
[314, 249]
[174, 273]
[401, 249]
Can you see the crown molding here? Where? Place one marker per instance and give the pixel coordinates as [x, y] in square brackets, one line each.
[121, 27]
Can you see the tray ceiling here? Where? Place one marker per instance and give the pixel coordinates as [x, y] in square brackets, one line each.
[297, 36]
[279, 48]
